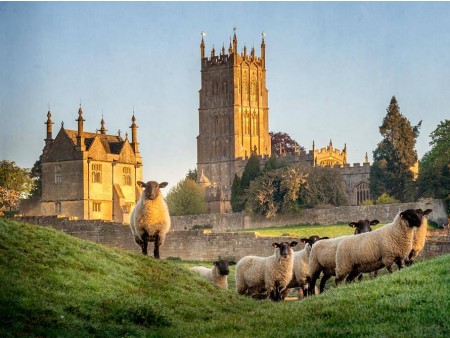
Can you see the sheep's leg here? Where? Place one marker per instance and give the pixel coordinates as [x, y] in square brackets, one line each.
[314, 278]
[157, 244]
[352, 275]
[324, 279]
[144, 245]
[400, 263]
[339, 279]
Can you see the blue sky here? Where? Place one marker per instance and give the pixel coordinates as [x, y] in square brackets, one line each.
[332, 69]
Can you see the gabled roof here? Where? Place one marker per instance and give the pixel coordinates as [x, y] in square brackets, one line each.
[112, 143]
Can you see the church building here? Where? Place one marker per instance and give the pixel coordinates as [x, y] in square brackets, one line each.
[90, 175]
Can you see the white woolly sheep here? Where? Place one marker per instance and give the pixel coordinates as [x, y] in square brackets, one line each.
[373, 250]
[420, 236]
[263, 277]
[301, 279]
[150, 220]
[323, 255]
[218, 274]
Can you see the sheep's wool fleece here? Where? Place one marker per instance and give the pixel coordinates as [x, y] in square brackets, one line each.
[213, 275]
[301, 265]
[373, 250]
[262, 272]
[153, 215]
[323, 255]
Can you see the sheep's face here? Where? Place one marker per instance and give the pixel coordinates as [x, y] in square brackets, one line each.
[222, 267]
[363, 225]
[151, 188]
[284, 248]
[311, 240]
[412, 217]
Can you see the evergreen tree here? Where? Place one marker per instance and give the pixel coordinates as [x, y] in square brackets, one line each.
[237, 195]
[239, 187]
[36, 175]
[394, 156]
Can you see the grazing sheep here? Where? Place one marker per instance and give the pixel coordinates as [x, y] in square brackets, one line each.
[300, 279]
[262, 277]
[420, 236]
[218, 274]
[150, 220]
[323, 255]
[382, 247]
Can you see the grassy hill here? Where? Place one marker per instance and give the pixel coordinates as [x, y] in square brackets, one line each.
[54, 285]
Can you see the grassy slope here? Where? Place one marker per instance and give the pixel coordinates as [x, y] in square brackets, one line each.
[52, 284]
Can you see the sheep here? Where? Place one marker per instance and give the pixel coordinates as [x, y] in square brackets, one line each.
[218, 274]
[300, 278]
[150, 220]
[419, 238]
[373, 250]
[263, 277]
[323, 255]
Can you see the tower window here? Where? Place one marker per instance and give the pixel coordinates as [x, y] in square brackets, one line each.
[58, 174]
[97, 173]
[96, 206]
[126, 176]
[58, 208]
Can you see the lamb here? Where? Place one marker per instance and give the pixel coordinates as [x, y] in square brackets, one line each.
[218, 274]
[382, 247]
[419, 238]
[323, 255]
[150, 220]
[263, 277]
[300, 279]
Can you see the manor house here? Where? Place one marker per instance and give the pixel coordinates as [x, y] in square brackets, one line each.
[234, 123]
[89, 175]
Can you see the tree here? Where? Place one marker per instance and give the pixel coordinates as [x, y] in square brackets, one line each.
[434, 174]
[238, 188]
[192, 174]
[15, 183]
[282, 142]
[276, 191]
[36, 176]
[394, 156]
[324, 186]
[186, 198]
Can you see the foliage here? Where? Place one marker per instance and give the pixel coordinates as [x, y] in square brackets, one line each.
[394, 156]
[54, 285]
[324, 186]
[238, 189]
[367, 202]
[36, 175]
[434, 174]
[283, 143]
[276, 191]
[191, 174]
[186, 198]
[386, 199]
[15, 183]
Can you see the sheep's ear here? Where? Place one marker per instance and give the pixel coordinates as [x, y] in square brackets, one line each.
[293, 243]
[275, 245]
[426, 212]
[375, 221]
[353, 224]
[323, 238]
[303, 240]
[163, 184]
[140, 183]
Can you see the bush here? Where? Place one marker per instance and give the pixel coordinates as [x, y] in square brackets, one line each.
[386, 199]
[367, 202]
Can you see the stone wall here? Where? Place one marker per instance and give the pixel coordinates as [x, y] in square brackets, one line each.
[200, 244]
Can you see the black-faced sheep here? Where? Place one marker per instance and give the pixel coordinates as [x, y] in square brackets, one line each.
[301, 279]
[150, 220]
[323, 255]
[420, 236]
[218, 274]
[263, 277]
[373, 250]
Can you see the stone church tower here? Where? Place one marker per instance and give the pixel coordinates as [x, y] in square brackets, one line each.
[233, 118]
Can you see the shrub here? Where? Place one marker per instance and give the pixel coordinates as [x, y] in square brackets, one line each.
[386, 199]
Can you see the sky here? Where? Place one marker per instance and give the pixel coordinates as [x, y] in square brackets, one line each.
[332, 68]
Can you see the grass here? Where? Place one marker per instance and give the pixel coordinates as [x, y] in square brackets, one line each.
[54, 285]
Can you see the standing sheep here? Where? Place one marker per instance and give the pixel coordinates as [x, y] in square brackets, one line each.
[218, 274]
[420, 236]
[150, 220]
[301, 279]
[323, 255]
[382, 247]
[262, 277]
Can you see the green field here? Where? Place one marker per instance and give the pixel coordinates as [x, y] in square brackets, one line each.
[54, 285]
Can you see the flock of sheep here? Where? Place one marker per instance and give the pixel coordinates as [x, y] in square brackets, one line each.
[274, 277]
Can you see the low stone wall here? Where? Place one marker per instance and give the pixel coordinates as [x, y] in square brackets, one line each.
[200, 245]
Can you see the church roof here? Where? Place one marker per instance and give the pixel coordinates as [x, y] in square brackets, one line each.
[113, 143]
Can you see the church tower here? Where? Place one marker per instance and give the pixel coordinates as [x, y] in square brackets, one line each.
[233, 116]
